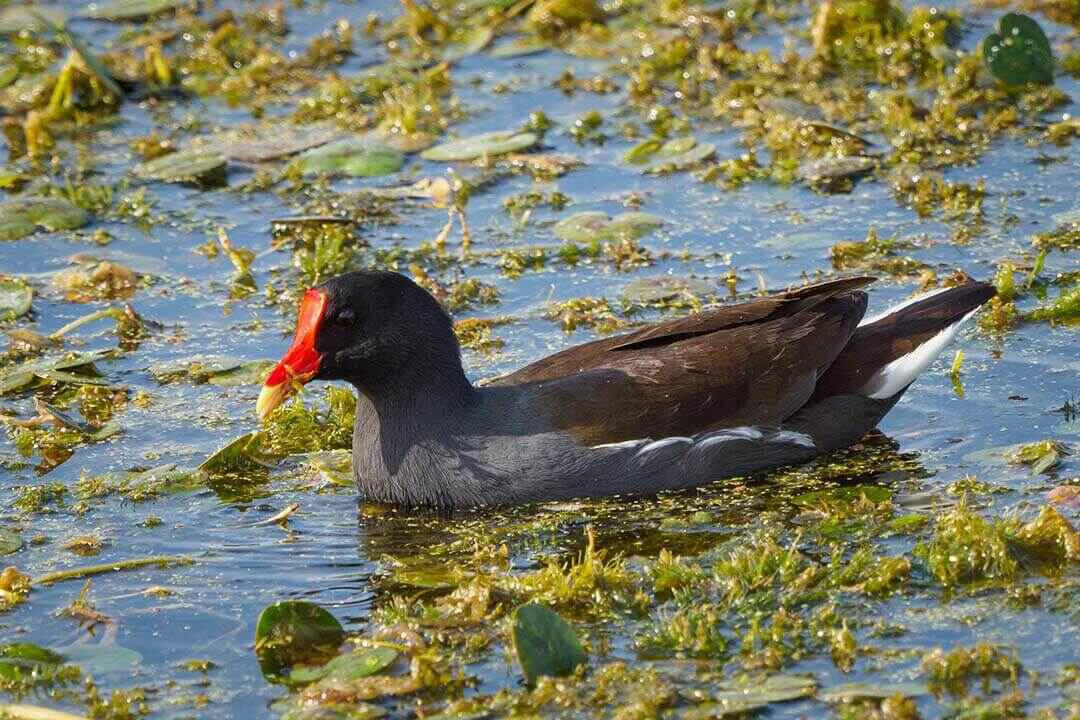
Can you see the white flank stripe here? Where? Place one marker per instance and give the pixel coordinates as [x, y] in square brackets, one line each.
[619, 445]
[900, 373]
[794, 438]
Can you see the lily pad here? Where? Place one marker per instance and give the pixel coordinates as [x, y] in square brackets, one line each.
[188, 166]
[294, 632]
[270, 141]
[677, 154]
[1019, 52]
[17, 18]
[19, 659]
[473, 41]
[871, 691]
[477, 146]
[239, 453]
[545, 643]
[24, 216]
[224, 371]
[15, 298]
[354, 157]
[663, 290]
[121, 10]
[21, 376]
[832, 174]
[749, 695]
[345, 668]
[586, 227]
[519, 47]
[10, 542]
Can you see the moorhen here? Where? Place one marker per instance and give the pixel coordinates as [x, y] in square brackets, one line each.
[726, 391]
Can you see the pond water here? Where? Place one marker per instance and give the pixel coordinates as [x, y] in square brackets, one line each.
[377, 568]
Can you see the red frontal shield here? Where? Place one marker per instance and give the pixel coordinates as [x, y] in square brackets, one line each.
[301, 361]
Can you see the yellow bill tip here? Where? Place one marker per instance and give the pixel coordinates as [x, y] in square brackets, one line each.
[269, 398]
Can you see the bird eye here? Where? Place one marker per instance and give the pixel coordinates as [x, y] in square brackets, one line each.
[345, 317]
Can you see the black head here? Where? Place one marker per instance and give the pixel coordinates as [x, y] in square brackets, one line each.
[378, 330]
[381, 325]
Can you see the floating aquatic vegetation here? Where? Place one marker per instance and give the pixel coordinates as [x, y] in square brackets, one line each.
[835, 174]
[594, 313]
[19, 18]
[592, 226]
[72, 368]
[96, 280]
[1039, 456]
[1065, 308]
[128, 10]
[352, 157]
[10, 542]
[1019, 52]
[215, 370]
[194, 167]
[545, 643]
[16, 298]
[678, 154]
[849, 692]
[294, 632]
[480, 146]
[476, 334]
[955, 670]
[695, 632]
[875, 253]
[26, 215]
[666, 292]
[967, 548]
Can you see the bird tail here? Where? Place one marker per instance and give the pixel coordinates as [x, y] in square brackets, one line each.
[883, 357]
[888, 351]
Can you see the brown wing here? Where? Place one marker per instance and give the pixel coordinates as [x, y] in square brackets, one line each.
[755, 363]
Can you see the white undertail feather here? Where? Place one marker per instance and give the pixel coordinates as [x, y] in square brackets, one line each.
[902, 371]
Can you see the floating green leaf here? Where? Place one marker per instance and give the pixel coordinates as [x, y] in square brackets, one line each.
[215, 370]
[25, 374]
[586, 227]
[10, 542]
[346, 668]
[16, 18]
[18, 659]
[120, 10]
[25, 215]
[477, 146]
[545, 643]
[295, 632]
[200, 167]
[15, 298]
[354, 157]
[1019, 52]
[665, 291]
[519, 47]
[678, 154]
[835, 174]
[749, 694]
[243, 452]
[871, 691]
